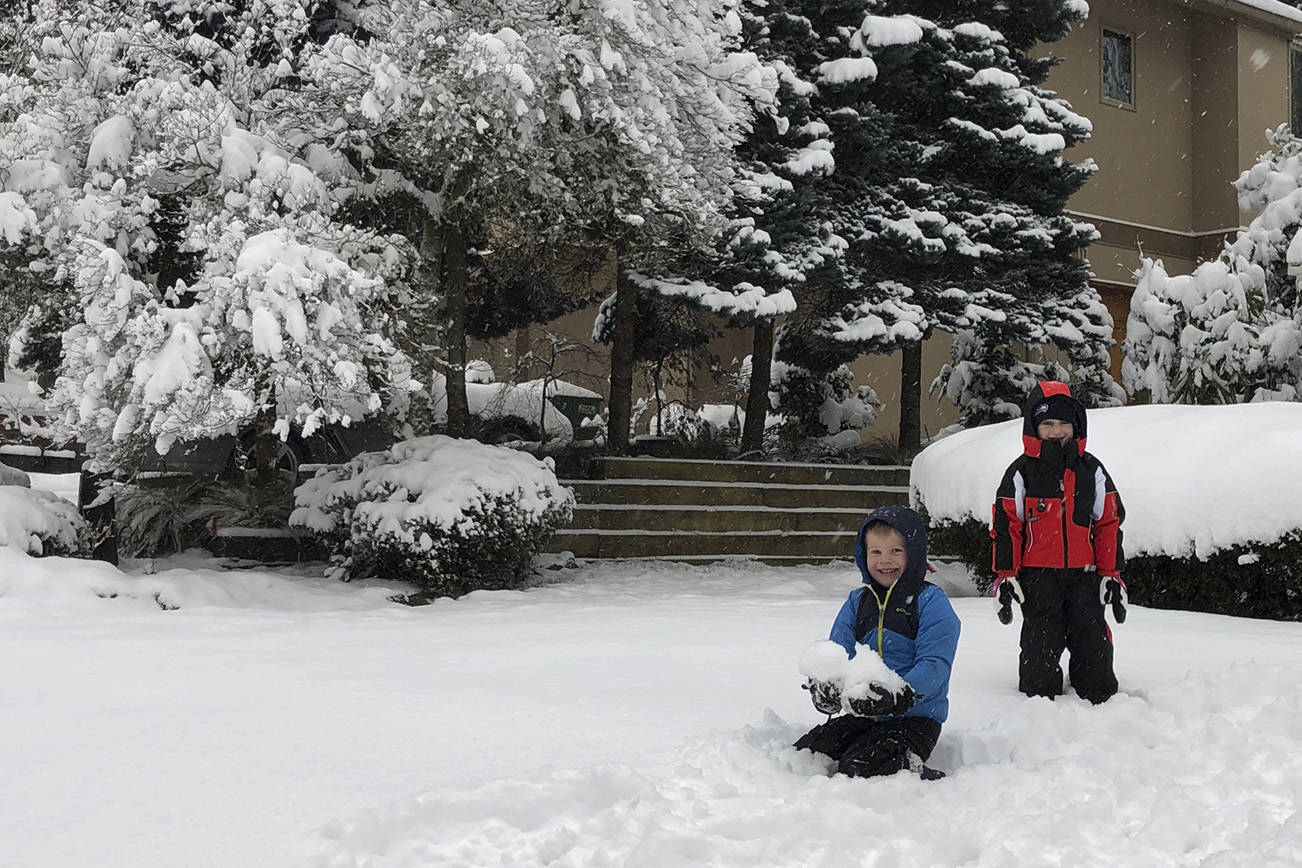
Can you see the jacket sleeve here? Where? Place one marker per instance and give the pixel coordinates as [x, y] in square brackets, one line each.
[843, 627]
[935, 645]
[1105, 534]
[1007, 523]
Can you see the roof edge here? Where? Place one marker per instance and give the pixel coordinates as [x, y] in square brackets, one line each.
[1272, 13]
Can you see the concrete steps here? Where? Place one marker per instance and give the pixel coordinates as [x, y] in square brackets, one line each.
[704, 511]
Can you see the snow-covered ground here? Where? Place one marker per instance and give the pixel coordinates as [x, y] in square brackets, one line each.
[635, 715]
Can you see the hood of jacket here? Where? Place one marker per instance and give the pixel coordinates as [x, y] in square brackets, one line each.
[1043, 391]
[910, 526]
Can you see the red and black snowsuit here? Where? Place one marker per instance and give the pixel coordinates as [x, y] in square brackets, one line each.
[1057, 528]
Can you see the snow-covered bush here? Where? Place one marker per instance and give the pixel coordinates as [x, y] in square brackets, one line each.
[1204, 338]
[991, 382]
[676, 419]
[504, 412]
[822, 406]
[450, 516]
[1231, 331]
[41, 523]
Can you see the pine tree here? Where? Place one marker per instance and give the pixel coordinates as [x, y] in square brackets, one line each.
[951, 202]
[758, 261]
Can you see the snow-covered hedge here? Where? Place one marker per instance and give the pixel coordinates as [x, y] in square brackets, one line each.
[450, 516]
[41, 523]
[1213, 520]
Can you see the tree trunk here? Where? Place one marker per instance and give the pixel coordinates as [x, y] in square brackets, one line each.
[911, 399]
[266, 444]
[621, 366]
[757, 399]
[453, 286]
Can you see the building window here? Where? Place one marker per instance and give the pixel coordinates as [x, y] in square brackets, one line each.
[1295, 89]
[1117, 55]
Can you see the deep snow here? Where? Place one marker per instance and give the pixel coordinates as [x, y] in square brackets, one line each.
[638, 714]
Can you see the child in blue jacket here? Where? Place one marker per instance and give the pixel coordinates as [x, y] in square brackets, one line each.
[910, 624]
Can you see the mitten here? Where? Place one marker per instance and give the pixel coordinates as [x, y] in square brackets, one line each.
[1113, 590]
[825, 694]
[904, 700]
[877, 701]
[1005, 591]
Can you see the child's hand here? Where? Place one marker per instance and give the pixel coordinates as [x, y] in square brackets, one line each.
[1113, 590]
[1005, 591]
[825, 694]
[877, 700]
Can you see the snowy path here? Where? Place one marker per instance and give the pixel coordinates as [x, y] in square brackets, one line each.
[638, 716]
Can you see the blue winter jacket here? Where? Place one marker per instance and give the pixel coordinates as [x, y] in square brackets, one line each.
[911, 625]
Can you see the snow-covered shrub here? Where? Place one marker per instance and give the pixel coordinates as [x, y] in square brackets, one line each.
[450, 516]
[821, 406]
[676, 419]
[41, 523]
[1231, 331]
[480, 371]
[1204, 338]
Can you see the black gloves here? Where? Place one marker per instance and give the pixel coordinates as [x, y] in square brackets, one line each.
[1113, 590]
[878, 701]
[1006, 590]
[825, 694]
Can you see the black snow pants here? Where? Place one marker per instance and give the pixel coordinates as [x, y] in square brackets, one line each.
[1062, 612]
[865, 748]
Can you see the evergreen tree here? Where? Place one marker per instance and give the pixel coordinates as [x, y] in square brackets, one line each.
[771, 237]
[949, 191]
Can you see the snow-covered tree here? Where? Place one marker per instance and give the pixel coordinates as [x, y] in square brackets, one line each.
[608, 124]
[772, 236]
[949, 194]
[1231, 331]
[213, 280]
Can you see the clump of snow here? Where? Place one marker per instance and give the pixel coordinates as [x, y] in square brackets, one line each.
[867, 669]
[825, 660]
[1193, 479]
[880, 30]
[38, 522]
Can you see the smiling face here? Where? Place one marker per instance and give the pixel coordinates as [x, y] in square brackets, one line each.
[884, 554]
[1055, 429]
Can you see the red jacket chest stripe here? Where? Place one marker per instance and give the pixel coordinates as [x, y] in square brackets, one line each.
[1053, 539]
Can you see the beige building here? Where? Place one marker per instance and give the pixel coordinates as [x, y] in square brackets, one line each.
[1180, 93]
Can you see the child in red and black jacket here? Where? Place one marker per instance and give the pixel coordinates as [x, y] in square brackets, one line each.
[1057, 550]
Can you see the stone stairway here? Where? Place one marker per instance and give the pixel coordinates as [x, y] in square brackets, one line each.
[718, 510]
